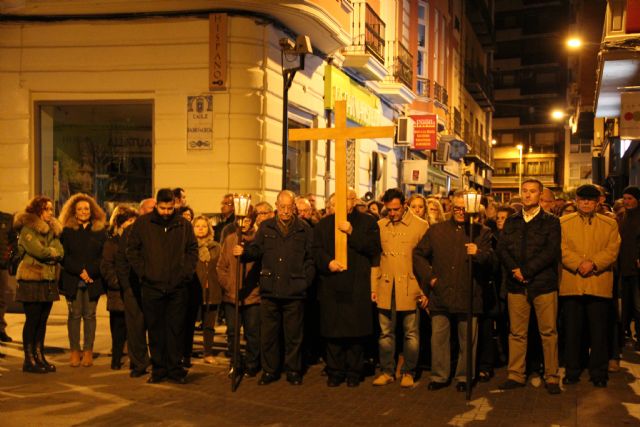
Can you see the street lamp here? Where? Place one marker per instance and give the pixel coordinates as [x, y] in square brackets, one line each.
[519, 147]
[574, 43]
[241, 207]
[291, 53]
[557, 114]
[471, 207]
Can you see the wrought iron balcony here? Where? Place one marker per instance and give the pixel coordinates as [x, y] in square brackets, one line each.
[368, 30]
[402, 65]
[423, 87]
[457, 122]
[479, 85]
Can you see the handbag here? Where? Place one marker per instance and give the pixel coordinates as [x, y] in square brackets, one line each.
[14, 258]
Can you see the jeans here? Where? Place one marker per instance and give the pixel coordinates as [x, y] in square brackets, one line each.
[387, 340]
[250, 318]
[82, 309]
[441, 350]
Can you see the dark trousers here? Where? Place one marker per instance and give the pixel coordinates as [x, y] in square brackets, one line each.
[593, 311]
[345, 357]
[209, 317]
[136, 331]
[164, 312]
[194, 301]
[487, 344]
[250, 320]
[616, 331]
[284, 315]
[35, 324]
[630, 293]
[118, 327]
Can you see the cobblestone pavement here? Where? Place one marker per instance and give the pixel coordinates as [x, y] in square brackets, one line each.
[102, 397]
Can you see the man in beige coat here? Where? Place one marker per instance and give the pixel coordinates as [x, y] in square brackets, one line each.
[590, 244]
[394, 287]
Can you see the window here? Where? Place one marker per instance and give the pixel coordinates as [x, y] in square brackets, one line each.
[102, 149]
[298, 160]
[423, 47]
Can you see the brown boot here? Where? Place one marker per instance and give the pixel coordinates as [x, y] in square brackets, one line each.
[75, 358]
[87, 358]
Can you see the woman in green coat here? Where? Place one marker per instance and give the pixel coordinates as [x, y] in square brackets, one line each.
[37, 273]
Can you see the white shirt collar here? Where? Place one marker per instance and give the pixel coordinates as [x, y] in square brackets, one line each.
[528, 217]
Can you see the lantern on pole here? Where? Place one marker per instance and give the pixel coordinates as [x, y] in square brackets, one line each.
[241, 207]
[472, 208]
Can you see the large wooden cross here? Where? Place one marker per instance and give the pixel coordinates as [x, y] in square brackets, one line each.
[340, 133]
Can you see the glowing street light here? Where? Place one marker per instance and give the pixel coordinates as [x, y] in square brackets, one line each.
[494, 142]
[557, 114]
[574, 43]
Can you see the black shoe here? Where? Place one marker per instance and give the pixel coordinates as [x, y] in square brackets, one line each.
[251, 372]
[31, 364]
[353, 382]
[600, 383]
[553, 388]
[268, 378]
[180, 379]
[510, 385]
[294, 378]
[186, 362]
[437, 385]
[485, 376]
[41, 360]
[4, 337]
[136, 373]
[155, 380]
[570, 381]
[334, 381]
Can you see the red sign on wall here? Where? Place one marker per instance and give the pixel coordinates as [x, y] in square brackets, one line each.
[633, 17]
[425, 128]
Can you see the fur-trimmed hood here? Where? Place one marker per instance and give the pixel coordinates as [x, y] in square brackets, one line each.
[68, 218]
[33, 221]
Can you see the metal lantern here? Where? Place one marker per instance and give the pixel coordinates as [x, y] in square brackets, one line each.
[241, 204]
[472, 201]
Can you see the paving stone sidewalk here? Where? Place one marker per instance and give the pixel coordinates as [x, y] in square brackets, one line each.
[98, 396]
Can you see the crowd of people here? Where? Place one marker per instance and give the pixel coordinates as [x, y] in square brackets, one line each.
[546, 277]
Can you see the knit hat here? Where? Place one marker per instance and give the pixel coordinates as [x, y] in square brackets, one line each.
[632, 190]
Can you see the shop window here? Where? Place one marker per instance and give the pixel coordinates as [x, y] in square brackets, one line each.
[102, 149]
[298, 161]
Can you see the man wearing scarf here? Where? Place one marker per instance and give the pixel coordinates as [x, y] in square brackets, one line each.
[283, 245]
[590, 244]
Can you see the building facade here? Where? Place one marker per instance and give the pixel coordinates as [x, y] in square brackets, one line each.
[119, 99]
[530, 83]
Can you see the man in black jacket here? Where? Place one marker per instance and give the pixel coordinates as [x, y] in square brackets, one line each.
[628, 259]
[163, 252]
[441, 263]
[283, 244]
[346, 314]
[529, 249]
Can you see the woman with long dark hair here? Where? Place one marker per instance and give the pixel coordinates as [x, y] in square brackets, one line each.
[41, 252]
[121, 218]
[83, 237]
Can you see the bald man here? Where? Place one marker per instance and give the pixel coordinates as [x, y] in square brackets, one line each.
[283, 245]
[547, 200]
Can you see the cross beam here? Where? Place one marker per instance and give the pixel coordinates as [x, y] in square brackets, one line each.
[340, 134]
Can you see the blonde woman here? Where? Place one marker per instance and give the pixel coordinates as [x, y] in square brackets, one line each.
[435, 213]
[418, 205]
[83, 238]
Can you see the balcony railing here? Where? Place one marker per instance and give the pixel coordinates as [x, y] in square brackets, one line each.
[479, 85]
[440, 94]
[402, 64]
[445, 97]
[368, 29]
[423, 87]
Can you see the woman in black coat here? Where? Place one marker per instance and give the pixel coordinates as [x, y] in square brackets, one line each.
[83, 237]
[121, 218]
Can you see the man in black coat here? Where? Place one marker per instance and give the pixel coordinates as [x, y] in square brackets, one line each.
[346, 314]
[163, 252]
[628, 259]
[529, 249]
[283, 244]
[442, 265]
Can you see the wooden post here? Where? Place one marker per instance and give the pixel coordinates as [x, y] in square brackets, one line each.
[340, 134]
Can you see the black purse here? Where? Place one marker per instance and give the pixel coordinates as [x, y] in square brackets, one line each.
[14, 258]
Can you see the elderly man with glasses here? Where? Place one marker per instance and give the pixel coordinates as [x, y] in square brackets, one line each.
[283, 245]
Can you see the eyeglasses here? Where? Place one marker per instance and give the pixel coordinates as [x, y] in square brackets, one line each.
[458, 209]
[226, 203]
